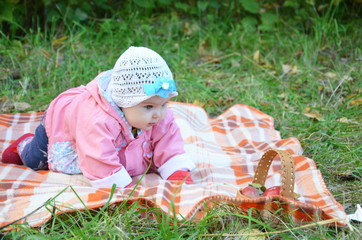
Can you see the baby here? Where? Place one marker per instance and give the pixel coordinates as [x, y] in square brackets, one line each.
[111, 129]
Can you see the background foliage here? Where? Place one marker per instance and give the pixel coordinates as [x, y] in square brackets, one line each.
[19, 16]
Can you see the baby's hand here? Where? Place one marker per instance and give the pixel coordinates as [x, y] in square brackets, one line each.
[181, 175]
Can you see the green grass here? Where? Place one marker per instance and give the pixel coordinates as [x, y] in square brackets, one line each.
[213, 62]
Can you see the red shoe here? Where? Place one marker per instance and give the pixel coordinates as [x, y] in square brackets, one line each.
[180, 175]
[10, 155]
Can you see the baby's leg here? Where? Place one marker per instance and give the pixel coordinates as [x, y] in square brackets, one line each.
[33, 151]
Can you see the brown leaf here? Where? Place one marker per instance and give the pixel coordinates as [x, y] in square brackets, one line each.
[190, 29]
[356, 102]
[211, 59]
[322, 6]
[253, 234]
[290, 70]
[225, 101]
[286, 68]
[299, 53]
[187, 30]
[256, 57]
[331, 75]
[313, 115]
[343, 120]
[346, 78]
[197, 102]
[21, 106]
[5, 105]
[267, 65]
[3, 99]
[59, 41]
[45, 53]
[296, 195]
[307, 109]
[202, 48]
[282, 95]
[235, 63]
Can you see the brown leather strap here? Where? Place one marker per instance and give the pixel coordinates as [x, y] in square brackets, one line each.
[288, 171]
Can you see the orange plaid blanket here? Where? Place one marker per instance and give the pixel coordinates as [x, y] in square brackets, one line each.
[226, 150]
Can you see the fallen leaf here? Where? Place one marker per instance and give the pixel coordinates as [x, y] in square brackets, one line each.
[256, 56]
[313, 115]
[189, 29]
[235, 63]
[287, 69]
[225, 101]
[343, 120]
[271, 5]
[330, 75]
[285, 104]
[296, 195]
[349, 175]
[211, 59]
[267, 65]
[59, 41]
[282, 95]
[307, 109]
[346, 78]
[21, 106]
[6, 107]
[43, 108]
[5, 70]
[197, 102]
[355, 102]
[299, 53]
[273, 72]
[202, 48]
[321, 7]
[3, 99]
[45, 53]
[252, 234]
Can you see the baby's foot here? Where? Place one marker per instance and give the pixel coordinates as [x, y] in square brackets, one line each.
[11, 155]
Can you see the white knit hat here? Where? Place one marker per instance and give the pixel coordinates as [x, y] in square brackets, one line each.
[139, 74]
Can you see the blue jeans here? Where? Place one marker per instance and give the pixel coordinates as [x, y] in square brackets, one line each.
[34, 154]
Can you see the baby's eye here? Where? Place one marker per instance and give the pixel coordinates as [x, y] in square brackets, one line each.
[164, 105]
[148, 107]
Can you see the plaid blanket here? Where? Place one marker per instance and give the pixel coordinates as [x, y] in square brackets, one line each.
[226, 150]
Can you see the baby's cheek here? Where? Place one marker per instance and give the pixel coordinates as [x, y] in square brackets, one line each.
[164, 113]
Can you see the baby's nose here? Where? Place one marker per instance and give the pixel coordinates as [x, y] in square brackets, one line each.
[157, 113]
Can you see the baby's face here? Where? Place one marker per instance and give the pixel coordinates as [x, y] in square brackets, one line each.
[147, 113]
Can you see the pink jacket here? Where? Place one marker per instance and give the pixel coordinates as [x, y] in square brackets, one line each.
[87, 134]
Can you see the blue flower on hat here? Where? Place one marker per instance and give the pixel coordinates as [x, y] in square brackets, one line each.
[162, 87]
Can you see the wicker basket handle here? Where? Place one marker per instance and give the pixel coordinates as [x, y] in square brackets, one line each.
[288, 171]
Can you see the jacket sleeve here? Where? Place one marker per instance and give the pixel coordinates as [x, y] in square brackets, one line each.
[169, 154]
[97, 152]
